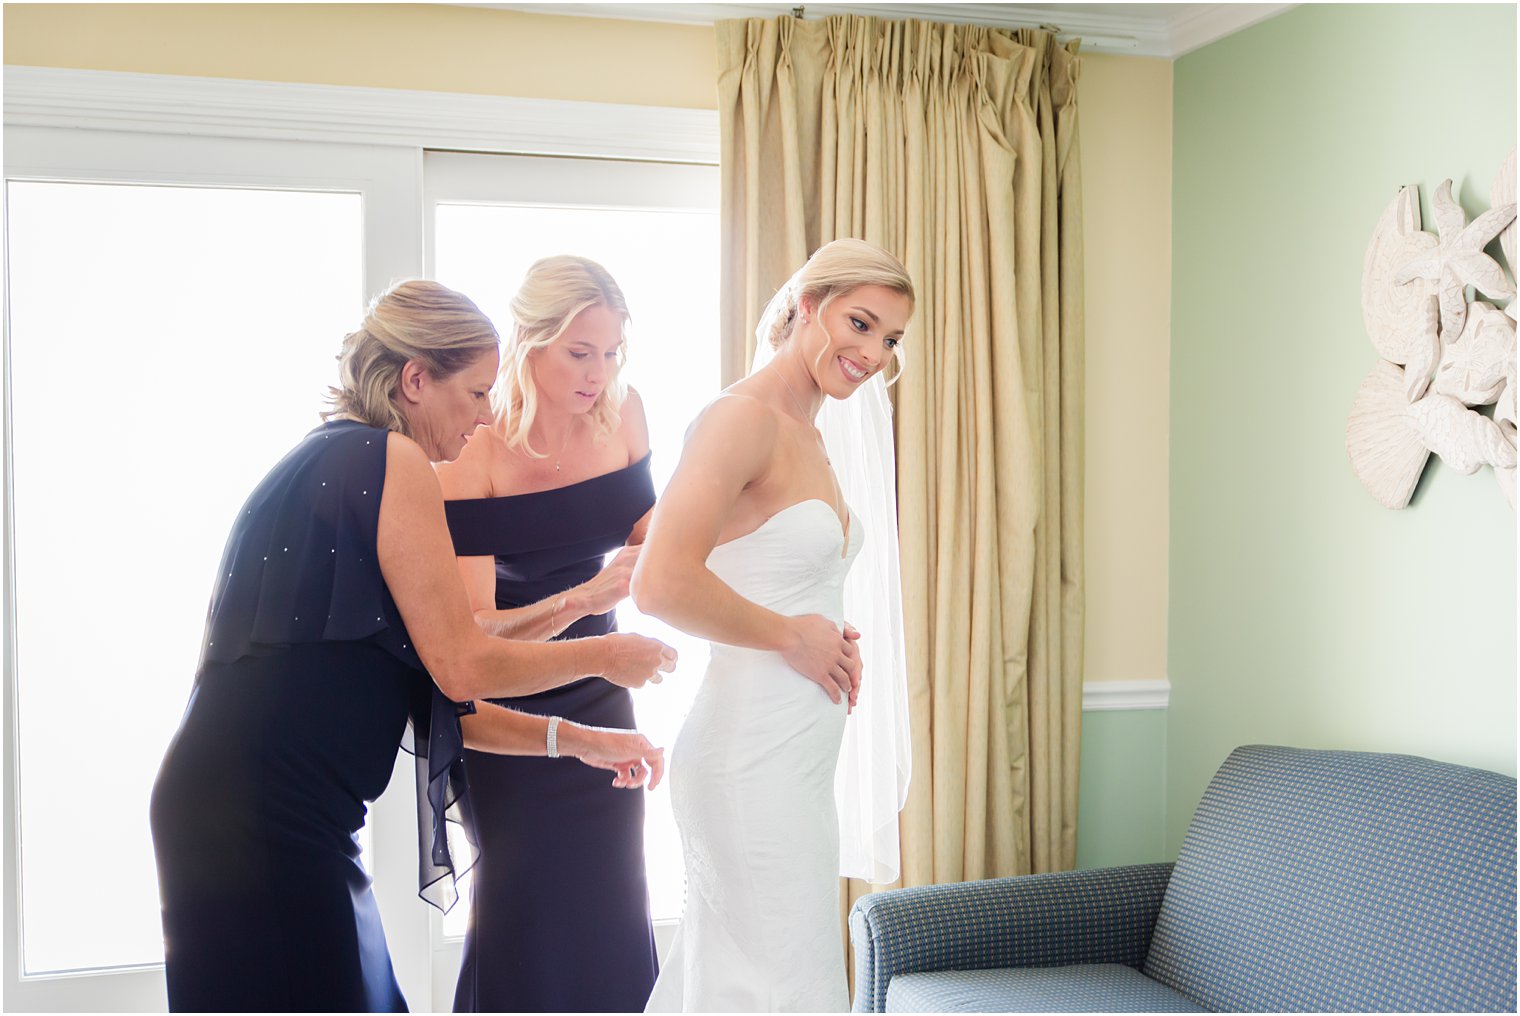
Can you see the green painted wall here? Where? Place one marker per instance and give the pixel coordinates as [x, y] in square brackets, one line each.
[1301, 612]
[1119, 819]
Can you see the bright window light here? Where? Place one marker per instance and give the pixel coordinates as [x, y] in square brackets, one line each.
[666, 263]
[168, 345]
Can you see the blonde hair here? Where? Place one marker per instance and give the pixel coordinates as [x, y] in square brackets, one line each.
[413, 320]
[836, 267]
[554, 291]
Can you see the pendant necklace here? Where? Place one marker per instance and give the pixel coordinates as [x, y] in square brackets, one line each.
[844, 525]
[797, 405]
[796, 402]
[566, 443]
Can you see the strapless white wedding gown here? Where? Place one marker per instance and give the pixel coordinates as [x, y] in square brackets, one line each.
[752, 787]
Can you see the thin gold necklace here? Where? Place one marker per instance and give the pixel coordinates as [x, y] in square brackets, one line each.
[796, 402]
[844, 525]
[569, 432]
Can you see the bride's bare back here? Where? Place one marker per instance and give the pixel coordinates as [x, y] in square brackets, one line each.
[738, 466]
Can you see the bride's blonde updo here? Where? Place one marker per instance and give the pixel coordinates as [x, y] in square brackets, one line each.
[554, 291]
[836, 267]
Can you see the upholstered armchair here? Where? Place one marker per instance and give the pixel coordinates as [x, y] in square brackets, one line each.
[1308, 880]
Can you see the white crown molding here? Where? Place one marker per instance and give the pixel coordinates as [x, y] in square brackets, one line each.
[1133, 32]
[1211, 22]
[1107, 696]
[224, 107]
[1107, 35]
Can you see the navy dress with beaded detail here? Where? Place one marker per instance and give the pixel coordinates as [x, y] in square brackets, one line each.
[560, 911]
[307, 684]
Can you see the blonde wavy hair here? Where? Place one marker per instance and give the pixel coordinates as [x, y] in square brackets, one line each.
[554, 291]
[413, 320]
[835, 268]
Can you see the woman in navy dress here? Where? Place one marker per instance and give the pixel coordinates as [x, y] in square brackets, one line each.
[336, 599]
[560, 915]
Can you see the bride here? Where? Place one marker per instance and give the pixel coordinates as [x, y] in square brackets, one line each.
[749, 548]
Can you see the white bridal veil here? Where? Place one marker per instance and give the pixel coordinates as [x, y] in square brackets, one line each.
[871, 783]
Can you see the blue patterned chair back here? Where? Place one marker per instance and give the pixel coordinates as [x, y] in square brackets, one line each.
[1343, 881]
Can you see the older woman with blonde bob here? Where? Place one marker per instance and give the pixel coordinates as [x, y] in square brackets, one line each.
[560, 919]
[338, 629]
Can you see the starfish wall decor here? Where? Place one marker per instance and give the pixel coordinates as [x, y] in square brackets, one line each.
[1441, 356]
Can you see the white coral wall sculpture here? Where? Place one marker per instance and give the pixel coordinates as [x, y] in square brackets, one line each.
[1441, 356]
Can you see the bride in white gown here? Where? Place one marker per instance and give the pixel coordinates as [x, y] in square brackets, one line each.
[749, 548]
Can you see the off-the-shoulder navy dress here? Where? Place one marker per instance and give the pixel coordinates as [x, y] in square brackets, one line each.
[560, 910]
[306, 684]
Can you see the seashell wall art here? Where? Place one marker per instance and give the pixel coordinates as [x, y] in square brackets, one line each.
[1442, 357]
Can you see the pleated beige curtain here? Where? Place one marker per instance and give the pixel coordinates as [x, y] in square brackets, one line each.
[954, 147]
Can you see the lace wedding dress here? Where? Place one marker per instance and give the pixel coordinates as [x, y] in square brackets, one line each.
[752, 786]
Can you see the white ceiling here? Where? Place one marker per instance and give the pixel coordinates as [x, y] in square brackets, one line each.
[1157, 30]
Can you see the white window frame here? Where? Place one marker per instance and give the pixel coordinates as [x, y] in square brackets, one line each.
[478, 178]
[103, 126]
[387, 179]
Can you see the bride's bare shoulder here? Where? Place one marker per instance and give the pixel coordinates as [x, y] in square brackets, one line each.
[740, 407]
[734, 416]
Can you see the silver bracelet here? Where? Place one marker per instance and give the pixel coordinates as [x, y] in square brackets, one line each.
[551, 740]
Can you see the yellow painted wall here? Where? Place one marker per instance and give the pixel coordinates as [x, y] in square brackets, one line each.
[1124, 115]
[1125, 123]
[424, 47]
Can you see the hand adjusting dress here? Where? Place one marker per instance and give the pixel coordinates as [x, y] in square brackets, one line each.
[752, 786]
[560, 909]
[306, 684]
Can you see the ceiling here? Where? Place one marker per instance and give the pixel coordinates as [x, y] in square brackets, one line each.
[1156, 30]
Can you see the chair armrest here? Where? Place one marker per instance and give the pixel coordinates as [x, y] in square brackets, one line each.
[1103, 915]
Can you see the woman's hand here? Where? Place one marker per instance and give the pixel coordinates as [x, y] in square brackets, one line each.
[853, 664]
[818, 651]
[608, 587]
[631, 661]
[627, 753]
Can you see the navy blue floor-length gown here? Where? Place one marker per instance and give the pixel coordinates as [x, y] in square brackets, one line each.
[560, 910]
[307, 681]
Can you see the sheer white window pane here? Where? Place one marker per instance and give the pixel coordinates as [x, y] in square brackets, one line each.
[666, 263]
[168, 345]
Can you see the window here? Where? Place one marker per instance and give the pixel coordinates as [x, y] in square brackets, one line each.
[655, 229]
[137, 431]
[175, 301]
[174, 308]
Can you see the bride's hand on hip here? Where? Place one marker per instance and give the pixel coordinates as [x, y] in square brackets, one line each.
[853, 667]
[627, 753]
[820, 653]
